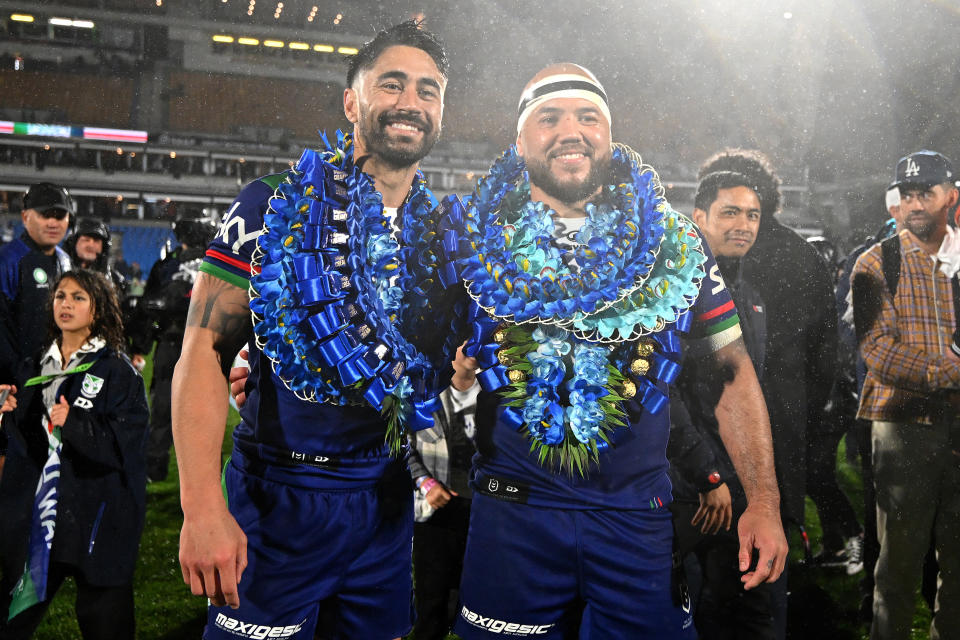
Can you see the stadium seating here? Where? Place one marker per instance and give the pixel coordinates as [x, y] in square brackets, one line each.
[140, 244]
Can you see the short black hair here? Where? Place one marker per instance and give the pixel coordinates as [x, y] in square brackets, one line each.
[411, 34]
[753, 164]
[711, 184]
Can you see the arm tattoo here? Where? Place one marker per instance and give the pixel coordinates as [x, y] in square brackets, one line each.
[223, 309]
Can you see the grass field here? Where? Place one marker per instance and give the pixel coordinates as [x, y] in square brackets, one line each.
[823, 602]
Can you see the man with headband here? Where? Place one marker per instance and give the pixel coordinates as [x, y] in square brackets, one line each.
[586, 289]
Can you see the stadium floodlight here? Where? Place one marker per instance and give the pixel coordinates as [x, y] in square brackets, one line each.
[223, 38]
[299, 46]
[21, 17]
[348, 51]
[67, 22]
[273, 43]
[248, 41]
[323, 48]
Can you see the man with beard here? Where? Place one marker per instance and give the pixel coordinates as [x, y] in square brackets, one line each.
[584, 280]
[909, 340]
[318, 513]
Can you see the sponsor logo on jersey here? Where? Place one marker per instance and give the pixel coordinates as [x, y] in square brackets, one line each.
[505, 489]
[39, 276]
[516, 629]
[717, 279]
[321, 462]
[233, 230]
[243, 629]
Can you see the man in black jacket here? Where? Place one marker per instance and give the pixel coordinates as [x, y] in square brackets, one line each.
[801, 342]
[708, 497]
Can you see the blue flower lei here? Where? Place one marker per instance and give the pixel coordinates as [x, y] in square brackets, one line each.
[334, 295]
[553, 338]
[515, 270]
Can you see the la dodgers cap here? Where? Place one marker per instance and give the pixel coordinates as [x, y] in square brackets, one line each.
[924, 168]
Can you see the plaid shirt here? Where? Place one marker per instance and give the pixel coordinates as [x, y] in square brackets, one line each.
[907, 347]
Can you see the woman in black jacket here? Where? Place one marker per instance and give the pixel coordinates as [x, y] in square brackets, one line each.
[72, 495]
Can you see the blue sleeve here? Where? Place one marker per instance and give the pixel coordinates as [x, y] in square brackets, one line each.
[10, 256]
[229, 254]
[715, 320]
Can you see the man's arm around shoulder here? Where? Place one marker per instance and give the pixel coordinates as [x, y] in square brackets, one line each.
[213, 548]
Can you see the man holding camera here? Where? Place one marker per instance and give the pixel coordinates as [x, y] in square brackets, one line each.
[906, 298]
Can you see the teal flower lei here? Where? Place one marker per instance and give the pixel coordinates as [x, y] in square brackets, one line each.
[335, 296]
[553, 335]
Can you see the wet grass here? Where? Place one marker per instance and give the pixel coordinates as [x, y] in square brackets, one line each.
[824, 602]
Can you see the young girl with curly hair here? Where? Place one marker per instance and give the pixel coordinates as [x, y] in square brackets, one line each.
[72, 492]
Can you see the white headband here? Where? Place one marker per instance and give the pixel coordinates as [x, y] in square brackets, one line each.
[562, 85]
[893, 197]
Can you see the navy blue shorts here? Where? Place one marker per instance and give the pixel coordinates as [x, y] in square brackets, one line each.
[341, 553]
[542, 573]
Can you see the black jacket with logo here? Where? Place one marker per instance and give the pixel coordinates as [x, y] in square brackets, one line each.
[102, 485]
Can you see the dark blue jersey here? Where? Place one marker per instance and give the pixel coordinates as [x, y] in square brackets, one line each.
[333, 444]
[632, 474]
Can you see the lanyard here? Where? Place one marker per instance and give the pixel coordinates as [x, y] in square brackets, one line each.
[45, 379]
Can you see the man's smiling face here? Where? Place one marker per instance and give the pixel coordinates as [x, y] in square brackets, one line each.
[732, 222]
[398, 105]
[565, 144]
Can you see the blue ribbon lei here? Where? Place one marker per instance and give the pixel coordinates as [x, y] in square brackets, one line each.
[576, 348]
[336, 297]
